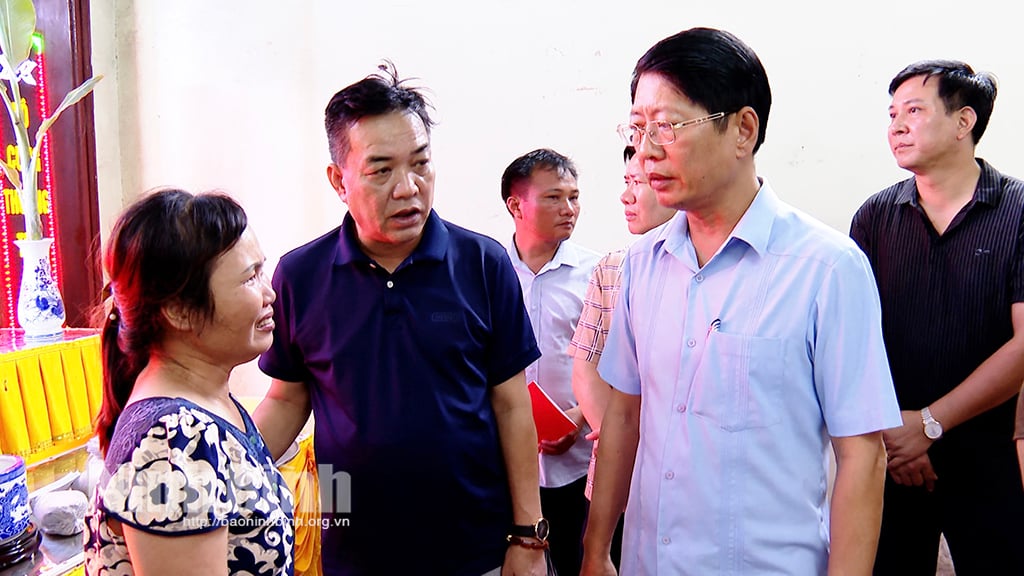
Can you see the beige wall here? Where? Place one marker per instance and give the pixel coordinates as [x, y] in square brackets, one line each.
[230, 94]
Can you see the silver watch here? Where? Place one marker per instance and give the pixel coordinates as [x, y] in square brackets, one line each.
[932, 428]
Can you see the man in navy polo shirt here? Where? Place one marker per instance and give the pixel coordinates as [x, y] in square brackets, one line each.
[407, 338]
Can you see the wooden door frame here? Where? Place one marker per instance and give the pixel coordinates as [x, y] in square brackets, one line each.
[66, 30]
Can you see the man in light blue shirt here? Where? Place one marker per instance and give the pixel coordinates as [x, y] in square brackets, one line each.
[540, 191]
[747, 336]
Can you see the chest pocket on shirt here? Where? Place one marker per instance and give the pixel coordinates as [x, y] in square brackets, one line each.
[738, 384]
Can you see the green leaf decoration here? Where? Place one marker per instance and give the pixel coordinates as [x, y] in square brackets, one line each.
[17, 27]
[70, 100]
[11, 174]
[17, 24]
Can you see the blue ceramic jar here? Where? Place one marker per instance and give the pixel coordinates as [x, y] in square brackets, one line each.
[14, 510]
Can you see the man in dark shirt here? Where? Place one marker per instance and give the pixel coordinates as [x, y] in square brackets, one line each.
[946, 249]
[407, 338]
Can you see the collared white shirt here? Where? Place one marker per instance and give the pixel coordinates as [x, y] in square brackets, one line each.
[744, 367]
[554, 299]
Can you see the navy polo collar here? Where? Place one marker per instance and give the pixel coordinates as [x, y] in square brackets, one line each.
[433, 244]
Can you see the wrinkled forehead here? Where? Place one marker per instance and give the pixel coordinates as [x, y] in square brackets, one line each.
[387, 136]
[656, 95]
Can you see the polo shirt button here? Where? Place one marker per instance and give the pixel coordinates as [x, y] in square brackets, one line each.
[391, 284]
[681, 408]
[699, 277]
[670, 475]
[691, 342]
[666, 540]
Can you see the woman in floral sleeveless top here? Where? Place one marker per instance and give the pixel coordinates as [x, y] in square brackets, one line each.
[188, 486]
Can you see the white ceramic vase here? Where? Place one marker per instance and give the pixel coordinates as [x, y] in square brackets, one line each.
[40, 307]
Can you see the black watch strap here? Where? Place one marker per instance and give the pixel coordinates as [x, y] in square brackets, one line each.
[529, 531]
[538, 530]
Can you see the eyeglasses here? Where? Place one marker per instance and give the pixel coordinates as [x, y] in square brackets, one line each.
[660, 132]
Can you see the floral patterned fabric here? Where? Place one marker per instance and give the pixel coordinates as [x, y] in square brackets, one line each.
[173, 468]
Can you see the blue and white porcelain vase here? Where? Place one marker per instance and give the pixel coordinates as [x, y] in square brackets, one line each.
[40, 308]
[14, 510]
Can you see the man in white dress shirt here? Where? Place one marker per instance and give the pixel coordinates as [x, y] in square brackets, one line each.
[539, 189]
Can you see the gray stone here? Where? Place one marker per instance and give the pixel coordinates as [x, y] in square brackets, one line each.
[61, 512]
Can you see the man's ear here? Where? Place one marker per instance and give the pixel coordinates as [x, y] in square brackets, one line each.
[966, 119]
[335, 177]
[747, 124]
[512, 203]
[178, 316]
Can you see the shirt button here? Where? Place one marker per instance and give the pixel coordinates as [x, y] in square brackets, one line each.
[391, 284]
[699, 277]
[373, 265]
[691, 342]
[666, 540]
[681, 408]
[670, 475]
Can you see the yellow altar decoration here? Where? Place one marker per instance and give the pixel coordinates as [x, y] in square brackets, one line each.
[301, 474]
[49, 393]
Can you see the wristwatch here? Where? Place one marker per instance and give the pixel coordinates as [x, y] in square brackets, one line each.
[932, 428]
[538, 530]
[527, 542]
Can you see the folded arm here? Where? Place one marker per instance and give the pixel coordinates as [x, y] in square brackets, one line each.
[992, 383]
